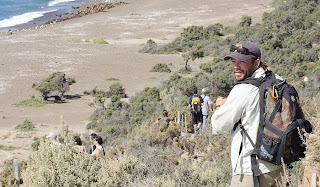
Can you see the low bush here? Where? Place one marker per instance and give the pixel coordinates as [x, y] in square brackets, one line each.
[150, 47]
[61, 168]
[210, 66]
[32, 102]
[116, 89]
[311, 109]
[195, 33]
[6, 148]
[120, 171]
[100, 41]
[161, 67]
[185, 71]
[112, 79]
[144, 104]
[26, 126]
[171, 52]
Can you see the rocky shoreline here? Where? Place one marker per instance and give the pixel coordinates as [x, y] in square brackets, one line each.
[84, 10]
[90, 7]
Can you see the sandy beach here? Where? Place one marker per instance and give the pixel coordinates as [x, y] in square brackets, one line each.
[28, 56]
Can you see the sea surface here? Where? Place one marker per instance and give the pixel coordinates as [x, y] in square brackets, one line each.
[23, 13]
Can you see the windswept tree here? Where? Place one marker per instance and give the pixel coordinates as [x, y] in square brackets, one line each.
[192, 54]
[55, 82]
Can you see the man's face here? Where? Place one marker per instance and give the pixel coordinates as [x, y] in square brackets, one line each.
[244, 69]
[91, 139]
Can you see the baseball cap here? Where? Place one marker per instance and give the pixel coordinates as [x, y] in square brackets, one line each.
[243, 51]
[51, 135]
[204, 90]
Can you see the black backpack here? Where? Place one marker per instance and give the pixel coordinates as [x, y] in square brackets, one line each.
[283, 127]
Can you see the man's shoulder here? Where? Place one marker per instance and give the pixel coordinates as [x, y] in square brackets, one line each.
[193, 96]
[244, 89]
[207, 99]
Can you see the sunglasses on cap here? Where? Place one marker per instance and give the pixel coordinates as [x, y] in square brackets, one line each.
[241, 50]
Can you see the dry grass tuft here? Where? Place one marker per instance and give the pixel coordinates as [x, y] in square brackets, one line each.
[312, 110]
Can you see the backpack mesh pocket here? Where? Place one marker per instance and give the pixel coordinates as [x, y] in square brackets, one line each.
[269, 148]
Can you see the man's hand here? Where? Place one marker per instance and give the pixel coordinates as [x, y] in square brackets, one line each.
[220, 101]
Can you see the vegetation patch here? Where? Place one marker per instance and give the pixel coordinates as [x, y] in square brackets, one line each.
[100, 41]
[184, 71]
[32, 102]
[161, 67]
[171, 52]
[26, 126]
[7, 148]
[112, 79]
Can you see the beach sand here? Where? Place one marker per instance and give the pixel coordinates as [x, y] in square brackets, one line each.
[30, 55]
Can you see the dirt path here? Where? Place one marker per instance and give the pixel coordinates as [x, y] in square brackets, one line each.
[31, 55]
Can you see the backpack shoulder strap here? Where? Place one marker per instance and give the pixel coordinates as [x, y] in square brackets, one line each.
[254, 81]
[258, 81]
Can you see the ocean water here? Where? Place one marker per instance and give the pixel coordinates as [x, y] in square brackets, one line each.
[21, 13]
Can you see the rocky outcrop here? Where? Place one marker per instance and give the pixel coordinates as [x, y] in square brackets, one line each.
[86, 11]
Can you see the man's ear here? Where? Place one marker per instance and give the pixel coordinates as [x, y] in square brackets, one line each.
[257, 63]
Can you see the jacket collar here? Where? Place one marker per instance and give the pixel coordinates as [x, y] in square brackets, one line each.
[259, 73]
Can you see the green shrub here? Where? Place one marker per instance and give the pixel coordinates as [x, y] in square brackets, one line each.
[215, 30]
[100, 41]
[61, 168]
[99, 99]
[184, 71]
[161, 67]
[7, 148]
[150, 47]
[116, 89]
[209, 67]
[114, 105]
[143, 105]
[36, 143]
[216, 175]
[171, 52]
[96, 91]
[112, 79]
[32, 102]
[26, 126]
[120, 171]
[246, 21]
[195, 33]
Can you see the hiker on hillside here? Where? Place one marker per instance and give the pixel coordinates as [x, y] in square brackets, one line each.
[195, 102]
[91, 139]
[97, 141]
[164, 118]
[53, 138]
[207, 104]
[242, 105]
[79, 148]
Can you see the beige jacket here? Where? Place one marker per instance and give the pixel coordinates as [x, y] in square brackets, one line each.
[242, 103]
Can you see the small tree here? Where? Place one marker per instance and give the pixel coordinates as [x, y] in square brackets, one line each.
[100, 99]
[55, 82]
[194, 53]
